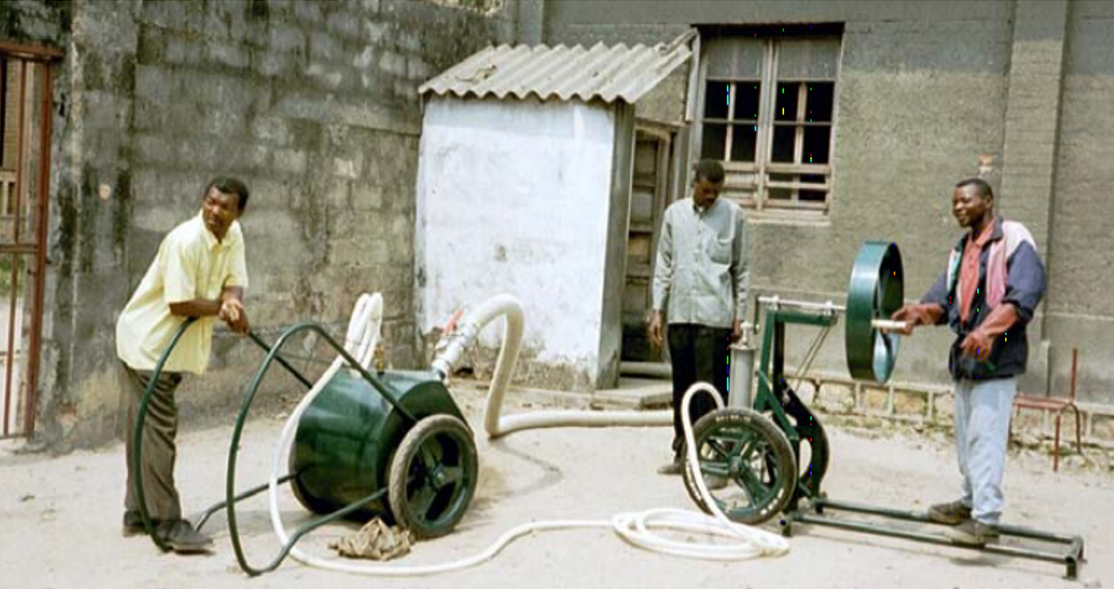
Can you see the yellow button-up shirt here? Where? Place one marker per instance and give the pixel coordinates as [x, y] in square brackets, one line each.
[191, 264]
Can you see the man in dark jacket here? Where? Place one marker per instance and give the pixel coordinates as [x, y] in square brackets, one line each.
[988, 293]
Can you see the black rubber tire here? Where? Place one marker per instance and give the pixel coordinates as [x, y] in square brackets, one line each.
[436, 464]
[770, 451]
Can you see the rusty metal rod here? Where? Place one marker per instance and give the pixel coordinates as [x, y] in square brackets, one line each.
[9, 364]
[34, 343]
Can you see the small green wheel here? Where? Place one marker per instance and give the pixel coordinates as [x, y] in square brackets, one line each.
[433, 476]
[755, 458]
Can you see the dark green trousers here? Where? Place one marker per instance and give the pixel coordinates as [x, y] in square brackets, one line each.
[160, 429]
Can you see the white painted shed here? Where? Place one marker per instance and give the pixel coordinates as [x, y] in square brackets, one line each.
[524, 187]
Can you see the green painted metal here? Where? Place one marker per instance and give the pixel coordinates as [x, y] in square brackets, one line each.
[347, 436]
[876, 291]
[780, 403]
[772, 388]
[141, 418]
[1071, 557]
[204, 516]
[137, 440]
[776, 402]
[395, 401]
[744, 453]
[749, 451]
[403, 399]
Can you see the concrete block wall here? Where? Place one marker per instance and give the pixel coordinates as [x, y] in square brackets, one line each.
[79, 393]
[314, 104]
[920, 405]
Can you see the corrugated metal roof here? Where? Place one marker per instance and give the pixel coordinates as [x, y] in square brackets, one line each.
[607, 73]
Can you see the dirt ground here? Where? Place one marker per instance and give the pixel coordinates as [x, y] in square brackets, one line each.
[60, 518]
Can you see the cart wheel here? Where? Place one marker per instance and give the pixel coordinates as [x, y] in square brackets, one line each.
[753, 455]
[433, 476]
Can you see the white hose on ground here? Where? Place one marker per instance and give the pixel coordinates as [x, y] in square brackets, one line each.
[633, 527]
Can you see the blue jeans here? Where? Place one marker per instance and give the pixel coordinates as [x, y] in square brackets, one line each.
[982, 423]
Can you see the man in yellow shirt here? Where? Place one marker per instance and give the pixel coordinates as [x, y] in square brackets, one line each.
[199, 271]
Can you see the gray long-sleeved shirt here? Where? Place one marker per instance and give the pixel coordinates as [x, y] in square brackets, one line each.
[702, 272]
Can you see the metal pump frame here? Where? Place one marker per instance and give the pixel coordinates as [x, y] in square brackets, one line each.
[775, 397]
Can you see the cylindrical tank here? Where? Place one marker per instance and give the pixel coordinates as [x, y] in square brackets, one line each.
[346, 438]
[740, 374]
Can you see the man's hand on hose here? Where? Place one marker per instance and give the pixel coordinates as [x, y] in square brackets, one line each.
[233, 314]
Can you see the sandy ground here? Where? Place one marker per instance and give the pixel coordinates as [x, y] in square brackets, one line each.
[60, 519]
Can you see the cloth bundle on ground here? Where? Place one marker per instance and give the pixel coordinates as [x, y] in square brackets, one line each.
[376, 541]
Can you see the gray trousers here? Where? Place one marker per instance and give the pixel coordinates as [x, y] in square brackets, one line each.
[982, 424]
[159, 452]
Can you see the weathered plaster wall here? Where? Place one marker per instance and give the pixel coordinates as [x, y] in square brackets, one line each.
[314, 104]
[514, 197]
[1080, 306]
[925, 91]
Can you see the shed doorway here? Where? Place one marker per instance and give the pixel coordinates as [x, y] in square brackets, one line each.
[650, 182]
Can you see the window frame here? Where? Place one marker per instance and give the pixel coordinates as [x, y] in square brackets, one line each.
[754, 192]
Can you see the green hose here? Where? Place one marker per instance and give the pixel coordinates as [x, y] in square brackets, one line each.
[141, 418]
[137, 439]
[230, 474]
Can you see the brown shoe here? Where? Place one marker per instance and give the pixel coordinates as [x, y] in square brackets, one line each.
[183, 539]
[133, 524]
[953, 513]
[973, 532]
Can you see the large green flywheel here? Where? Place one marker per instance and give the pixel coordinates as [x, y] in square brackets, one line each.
[876, 291]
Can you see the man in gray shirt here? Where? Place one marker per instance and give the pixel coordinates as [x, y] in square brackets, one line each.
[700, 283]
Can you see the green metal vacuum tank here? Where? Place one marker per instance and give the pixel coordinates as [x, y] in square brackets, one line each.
[348, 438]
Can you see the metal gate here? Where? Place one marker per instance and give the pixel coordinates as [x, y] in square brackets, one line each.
[25, 130]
